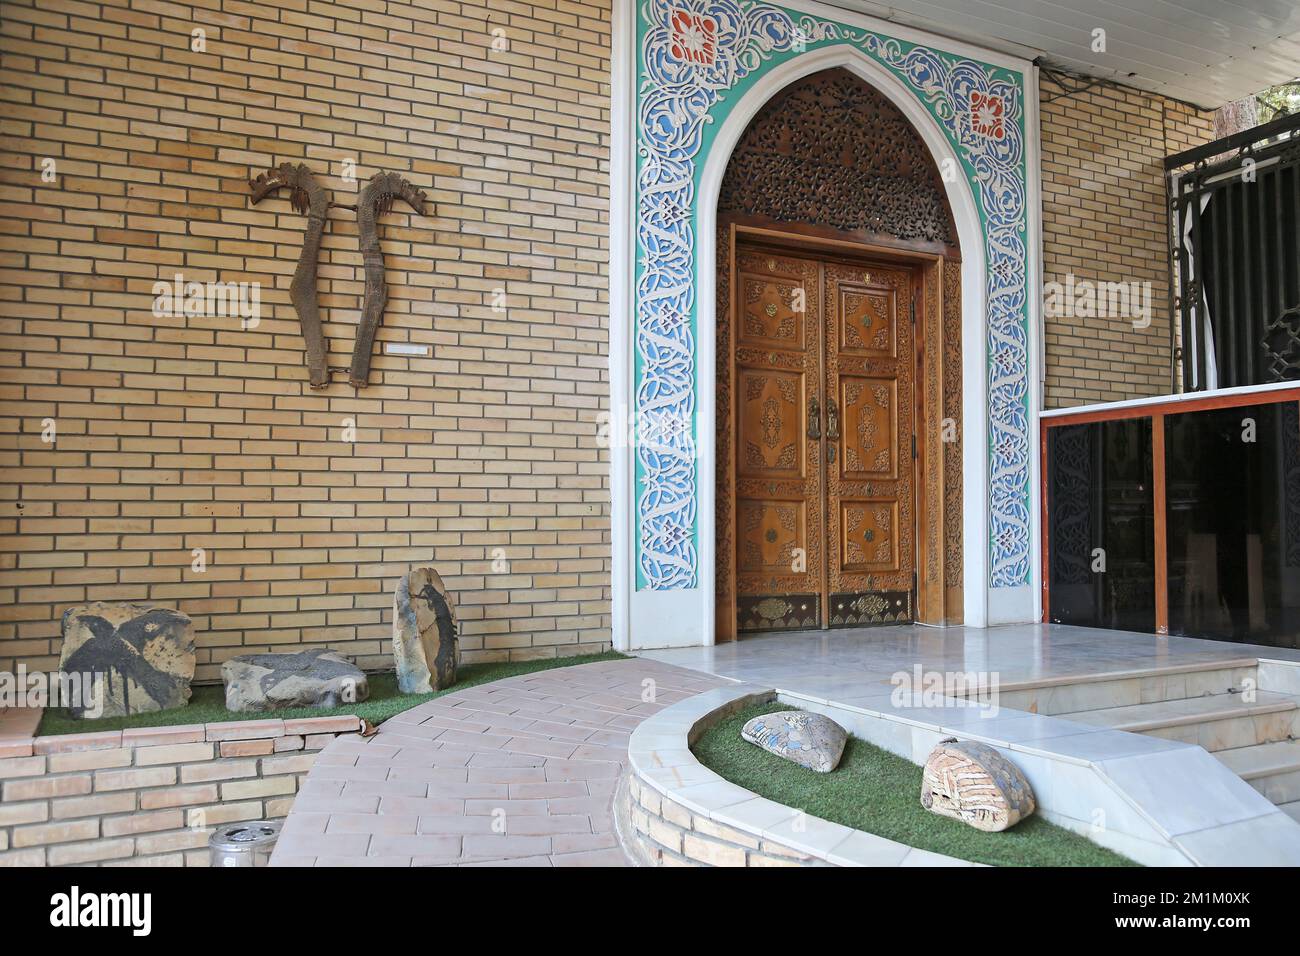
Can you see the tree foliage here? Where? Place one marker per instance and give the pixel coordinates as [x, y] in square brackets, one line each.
[1278, 101]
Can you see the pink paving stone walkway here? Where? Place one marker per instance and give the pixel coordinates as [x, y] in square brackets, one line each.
[539, 756]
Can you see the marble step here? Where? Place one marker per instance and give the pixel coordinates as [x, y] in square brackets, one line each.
[1122, 688]
[1292, 810]
[1273, 768]
[1216, 722]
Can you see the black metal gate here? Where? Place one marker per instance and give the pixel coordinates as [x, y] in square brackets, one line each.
[1235, 247]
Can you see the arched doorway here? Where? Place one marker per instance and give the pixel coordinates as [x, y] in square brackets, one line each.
[838, 494]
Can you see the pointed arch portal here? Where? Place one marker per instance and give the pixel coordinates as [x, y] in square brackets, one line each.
[690, 75]
[838, 370]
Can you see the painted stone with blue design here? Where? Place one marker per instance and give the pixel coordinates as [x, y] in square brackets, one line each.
[810, 740]
[975, 784]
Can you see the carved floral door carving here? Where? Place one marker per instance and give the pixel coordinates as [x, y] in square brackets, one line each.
[823, 372]
[779, 531]
[870, 374]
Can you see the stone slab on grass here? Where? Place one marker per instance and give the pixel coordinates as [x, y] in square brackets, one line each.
[317, 678]
[424, 633]
[810, 740]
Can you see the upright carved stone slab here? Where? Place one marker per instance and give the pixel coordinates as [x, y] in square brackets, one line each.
[142, 656]
[424, 633]
[974, 783]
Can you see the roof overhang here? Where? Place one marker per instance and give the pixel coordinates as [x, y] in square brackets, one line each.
[1205, 52]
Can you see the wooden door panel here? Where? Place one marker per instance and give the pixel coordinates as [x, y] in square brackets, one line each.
[771, 535]
[870, 427]
[770, 313]
[778, 374]
[772, 424]
[870, 534]
[870, 372]
[867, 322]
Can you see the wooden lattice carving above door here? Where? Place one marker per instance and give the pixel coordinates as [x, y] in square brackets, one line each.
[833, 168]
[833, 151]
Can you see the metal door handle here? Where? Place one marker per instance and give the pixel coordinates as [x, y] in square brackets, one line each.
[832, 419]
[814, 418]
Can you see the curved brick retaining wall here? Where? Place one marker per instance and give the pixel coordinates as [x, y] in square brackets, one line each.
[150, 796]
[681, 813]
[671, 835]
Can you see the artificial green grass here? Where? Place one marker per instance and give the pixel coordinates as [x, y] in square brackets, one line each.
[878, 792]
[208, 703]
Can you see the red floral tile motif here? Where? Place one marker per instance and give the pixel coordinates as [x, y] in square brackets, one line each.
[695, 38]
[986, 111]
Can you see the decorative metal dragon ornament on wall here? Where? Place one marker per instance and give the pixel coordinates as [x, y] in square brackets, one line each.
[310, 197]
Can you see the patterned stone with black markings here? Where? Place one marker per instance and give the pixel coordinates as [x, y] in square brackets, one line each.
[315, 678]
[424, 633]
[140, 656]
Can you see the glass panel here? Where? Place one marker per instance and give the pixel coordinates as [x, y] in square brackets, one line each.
[1233, 493]
[1101, 525]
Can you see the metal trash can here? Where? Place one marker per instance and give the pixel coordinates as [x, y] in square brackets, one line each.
[243, 844]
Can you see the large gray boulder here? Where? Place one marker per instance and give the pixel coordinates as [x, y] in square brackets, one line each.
[810, 740]
[139, 657]
[972, 782]
[315, 678]
[424, 633]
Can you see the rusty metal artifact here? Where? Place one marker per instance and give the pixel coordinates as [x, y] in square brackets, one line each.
[308, 197]
[376, 199]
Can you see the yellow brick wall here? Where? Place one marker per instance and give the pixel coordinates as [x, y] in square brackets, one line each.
[1104, 219]
[176, 434]
[482, 459]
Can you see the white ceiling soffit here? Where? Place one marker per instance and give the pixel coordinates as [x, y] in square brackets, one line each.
[1207, 52]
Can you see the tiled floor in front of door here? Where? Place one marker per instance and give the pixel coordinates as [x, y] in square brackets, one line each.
[850, 663]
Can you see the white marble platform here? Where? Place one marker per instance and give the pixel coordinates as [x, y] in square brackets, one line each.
[848, 658]
[1163, 802]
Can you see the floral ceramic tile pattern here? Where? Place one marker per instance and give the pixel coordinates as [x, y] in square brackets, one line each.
[693, 54]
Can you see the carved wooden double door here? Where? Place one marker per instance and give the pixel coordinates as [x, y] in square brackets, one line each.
[823, 366]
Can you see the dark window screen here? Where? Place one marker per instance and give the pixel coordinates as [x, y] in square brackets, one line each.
[1234, 524]
[1101, 525]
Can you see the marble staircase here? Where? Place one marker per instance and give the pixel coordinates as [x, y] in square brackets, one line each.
[1219, 706]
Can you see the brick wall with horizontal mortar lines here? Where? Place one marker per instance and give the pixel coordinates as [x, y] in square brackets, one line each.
[182, 433]
[151, 796]
[176, 434]
[1105, 219]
